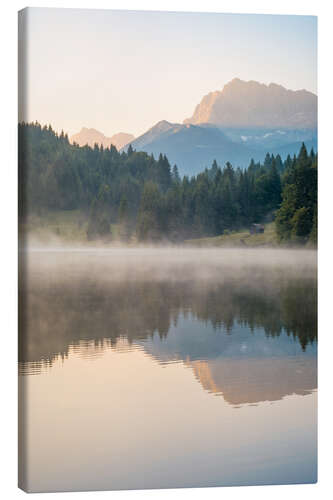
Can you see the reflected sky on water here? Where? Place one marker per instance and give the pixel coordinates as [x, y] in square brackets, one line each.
[162, 368]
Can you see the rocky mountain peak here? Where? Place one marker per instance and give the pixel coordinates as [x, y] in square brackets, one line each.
[252, 104]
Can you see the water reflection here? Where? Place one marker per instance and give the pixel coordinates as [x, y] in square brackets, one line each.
[251, 338]
[123, 352]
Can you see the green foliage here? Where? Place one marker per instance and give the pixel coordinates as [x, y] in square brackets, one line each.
[98, 223]
[124, 230]
[296, 220]
[301, 224]
[99, 217]
[149, 221]
[145, 197]
[313, 235]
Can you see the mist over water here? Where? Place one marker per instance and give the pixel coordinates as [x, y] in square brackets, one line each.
[69, 295]
[121, 337]
[155, 263]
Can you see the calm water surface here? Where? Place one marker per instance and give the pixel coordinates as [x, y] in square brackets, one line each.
[167, 368]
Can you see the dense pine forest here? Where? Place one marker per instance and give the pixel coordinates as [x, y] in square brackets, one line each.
[148, 200]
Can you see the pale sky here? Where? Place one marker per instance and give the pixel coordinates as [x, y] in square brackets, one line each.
[123, 71]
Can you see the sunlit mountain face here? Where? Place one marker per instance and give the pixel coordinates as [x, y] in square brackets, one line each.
[250, 104]
[244, 120]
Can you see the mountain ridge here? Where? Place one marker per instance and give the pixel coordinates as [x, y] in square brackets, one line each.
[194, 147]
[91, 136]
[242, 121]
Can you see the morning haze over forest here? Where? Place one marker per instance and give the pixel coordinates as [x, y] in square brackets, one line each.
[247, 158]
[138, 151]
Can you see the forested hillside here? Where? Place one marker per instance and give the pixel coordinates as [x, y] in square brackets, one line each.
[146, 198]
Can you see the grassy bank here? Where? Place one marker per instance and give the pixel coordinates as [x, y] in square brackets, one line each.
[241, 238]
[71, 226]
[68, 225]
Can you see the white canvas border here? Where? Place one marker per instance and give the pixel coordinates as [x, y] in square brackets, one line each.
[8, 212]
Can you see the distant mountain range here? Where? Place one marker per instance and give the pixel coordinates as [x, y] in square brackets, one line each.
[92, 136]
[242, 121]
[194, 147]
[191, 147]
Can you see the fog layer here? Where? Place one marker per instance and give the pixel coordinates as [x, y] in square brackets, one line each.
[103, 265]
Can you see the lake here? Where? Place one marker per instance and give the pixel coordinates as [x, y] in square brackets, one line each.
[167, 367]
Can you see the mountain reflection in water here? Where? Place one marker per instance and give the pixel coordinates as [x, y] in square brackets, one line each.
[247, 327]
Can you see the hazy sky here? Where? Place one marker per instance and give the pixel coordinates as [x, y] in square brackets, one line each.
[123, 71]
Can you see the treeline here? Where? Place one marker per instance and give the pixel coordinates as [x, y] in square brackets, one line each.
[296, 219]
[148, 199]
